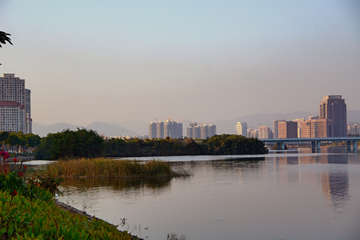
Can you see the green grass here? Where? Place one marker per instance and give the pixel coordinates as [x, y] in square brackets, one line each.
[25, 218]
[110, 168]
[27, 211]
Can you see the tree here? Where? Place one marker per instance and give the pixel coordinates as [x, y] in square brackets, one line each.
[4, 37]
[44, 150]
[32, 140]
[74, 144]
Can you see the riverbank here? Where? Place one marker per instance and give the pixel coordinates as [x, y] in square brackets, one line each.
[30, 212]
[73, 210]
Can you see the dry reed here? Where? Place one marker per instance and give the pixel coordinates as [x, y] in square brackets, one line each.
[110, 168]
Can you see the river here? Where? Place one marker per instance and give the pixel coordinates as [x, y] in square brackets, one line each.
[293, 194]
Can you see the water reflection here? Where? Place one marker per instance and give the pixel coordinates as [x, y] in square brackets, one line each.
[237, 198]
[124, 185]
[334, 179]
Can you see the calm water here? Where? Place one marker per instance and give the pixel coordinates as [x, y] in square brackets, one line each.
[284, 195]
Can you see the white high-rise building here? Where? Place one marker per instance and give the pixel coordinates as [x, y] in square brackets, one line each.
[201, 131]
[15, 105]
[165, 129]
[241, 128]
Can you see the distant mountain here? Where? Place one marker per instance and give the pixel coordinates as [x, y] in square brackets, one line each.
[142, 128]
[110, 129]
[43, 130]
[100, 128]
[353, 117]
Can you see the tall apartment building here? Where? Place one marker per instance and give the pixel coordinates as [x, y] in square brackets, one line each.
[160, 129]
[241, 128]
[165, 129]
[317, 128]
[152, 130]
[15, 105]
[333, 108]
[287, 129]
[172, 129]
[276, 129]
[265, 133]
[299, 121]
[201, 131]
[252, 133]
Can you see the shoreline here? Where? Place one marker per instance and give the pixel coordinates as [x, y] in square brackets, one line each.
[74, 210]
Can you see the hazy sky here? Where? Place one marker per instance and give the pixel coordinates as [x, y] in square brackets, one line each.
[118, 61]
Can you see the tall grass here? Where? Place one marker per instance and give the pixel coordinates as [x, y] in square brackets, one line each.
[110, 168]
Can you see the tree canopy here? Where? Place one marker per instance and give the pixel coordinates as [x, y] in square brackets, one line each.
[4, 37]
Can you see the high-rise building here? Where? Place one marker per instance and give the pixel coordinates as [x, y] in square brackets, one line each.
[276, 129]
[165, 129]
[201, 131]
[172, 129]
[252, 133]
[15, 105]
[160, 129]
[265, 133]
[317, 128]
[287, 129]
[152, 130]
[299, 121]
[241, 128]
[333, 108]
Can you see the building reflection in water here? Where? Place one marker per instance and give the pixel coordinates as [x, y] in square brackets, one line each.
[334, 180]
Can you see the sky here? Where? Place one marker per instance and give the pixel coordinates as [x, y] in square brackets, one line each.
[136, 61]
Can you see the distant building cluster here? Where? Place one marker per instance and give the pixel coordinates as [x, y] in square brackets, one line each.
[201, 131]
[165, 129]
[15, 105]
[331, 122]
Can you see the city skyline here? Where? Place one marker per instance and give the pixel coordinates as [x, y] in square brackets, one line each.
[131, 61]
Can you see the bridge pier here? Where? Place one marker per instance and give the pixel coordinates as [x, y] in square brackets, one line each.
[348, 145]
[280, 145]
[313, 146]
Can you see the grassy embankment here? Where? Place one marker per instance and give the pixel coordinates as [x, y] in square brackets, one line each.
[28, 211]
[110, 168]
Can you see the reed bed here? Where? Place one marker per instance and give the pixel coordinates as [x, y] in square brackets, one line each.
[110, 168]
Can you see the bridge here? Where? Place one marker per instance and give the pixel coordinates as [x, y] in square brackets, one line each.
[315, 142]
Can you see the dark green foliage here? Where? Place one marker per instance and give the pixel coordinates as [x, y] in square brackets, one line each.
[70, 144]
[19, 139]
[13, 139]
[218, 144]
[87, 144]
[14, 182]
[4, 37]
[44, 150]
[233, 144]
[76, 144]
[4, 136]
[155, 147]
[32, 140]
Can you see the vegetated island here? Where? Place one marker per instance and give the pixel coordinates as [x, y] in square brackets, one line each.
[85, 143]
